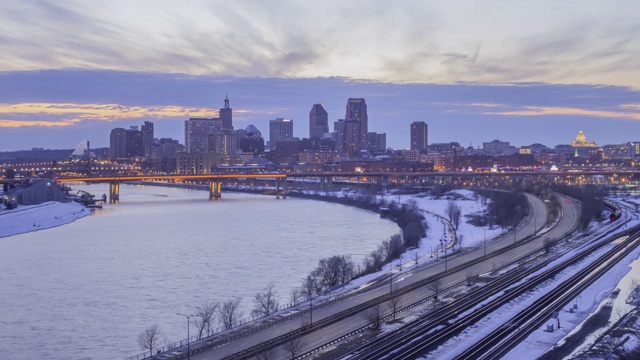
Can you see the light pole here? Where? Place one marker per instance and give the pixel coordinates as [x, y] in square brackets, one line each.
[485, 242]
[310, 296]
[188, 336]
[390, 278]
[445, 257]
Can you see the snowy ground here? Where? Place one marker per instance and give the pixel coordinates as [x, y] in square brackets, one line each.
[588, 302]
[27, 218]
[37, 217]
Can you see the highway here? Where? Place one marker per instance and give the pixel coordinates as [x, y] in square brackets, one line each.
[329, 326]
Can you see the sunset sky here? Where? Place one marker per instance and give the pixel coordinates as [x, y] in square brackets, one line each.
[521, 71]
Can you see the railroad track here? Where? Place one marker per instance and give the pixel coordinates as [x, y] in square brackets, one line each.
[400, 341]
[502, 340]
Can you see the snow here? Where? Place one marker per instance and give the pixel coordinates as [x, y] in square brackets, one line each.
[27, 218]
[51, 214]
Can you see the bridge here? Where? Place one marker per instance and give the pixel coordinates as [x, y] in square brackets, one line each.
[214, 181]
[326, 178]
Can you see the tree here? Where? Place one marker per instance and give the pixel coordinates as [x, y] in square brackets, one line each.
[454, 212]
[149, 338]
[265, 302]
[204, 317]
[374, 315]
[393, 304]
[435, 286]
[470, 278]
[293, 346]
[229, 313]
[460, 242]
[296, 295]
[269, 354]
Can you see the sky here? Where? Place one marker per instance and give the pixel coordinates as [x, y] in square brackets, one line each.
[475, 71]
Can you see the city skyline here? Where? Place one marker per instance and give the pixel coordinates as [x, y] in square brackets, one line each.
[473, 73]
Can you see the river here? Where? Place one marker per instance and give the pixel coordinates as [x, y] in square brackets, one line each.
[87, 289]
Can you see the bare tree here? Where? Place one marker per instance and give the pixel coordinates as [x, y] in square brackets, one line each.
[470, 278]
[613, 346]
[435, 286]
[309, 286]
[205, 315]
[634, 295]
[294, 346]
[296, 295]
[374, 315]
[229, 313]
[265, 302]
[393, 304]
[269, 354]
[149, 338]
[453, 212]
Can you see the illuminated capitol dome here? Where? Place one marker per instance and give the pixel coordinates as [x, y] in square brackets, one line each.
[581, 141]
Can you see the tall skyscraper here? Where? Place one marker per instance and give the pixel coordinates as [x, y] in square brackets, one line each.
[279, 129]
[196, 133]
[147, 137]
[352, 139]
[318, 121]
[338, 134]
[419, 136]
[226, 115]
[357, 111]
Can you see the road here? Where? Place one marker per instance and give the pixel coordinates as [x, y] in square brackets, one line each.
[567, 224]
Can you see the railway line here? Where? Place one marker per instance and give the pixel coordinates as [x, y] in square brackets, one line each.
[499, 342]
[442, 317]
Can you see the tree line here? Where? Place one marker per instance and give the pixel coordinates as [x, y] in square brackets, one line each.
[330, 272]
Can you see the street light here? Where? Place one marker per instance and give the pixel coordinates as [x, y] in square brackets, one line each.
[390, 277]
[188, 336]
[485, 242]
[310, 296]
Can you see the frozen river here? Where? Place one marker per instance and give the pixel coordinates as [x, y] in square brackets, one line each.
[87, 289]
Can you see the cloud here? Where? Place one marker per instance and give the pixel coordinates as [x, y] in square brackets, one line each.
[69, 114]
[546, 111]
[408, 41]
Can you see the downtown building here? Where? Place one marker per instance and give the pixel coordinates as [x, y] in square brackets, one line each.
[197, 130]
[356, 125]
[279, 129]
[318, 121]
[125, 143]
[419, 136]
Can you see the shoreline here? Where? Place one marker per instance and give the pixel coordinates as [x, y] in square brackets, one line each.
[30, 218]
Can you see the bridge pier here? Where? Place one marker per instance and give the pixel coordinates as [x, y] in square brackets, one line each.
[281, 184]
[215, 189]
[326, 182]
[114, 192]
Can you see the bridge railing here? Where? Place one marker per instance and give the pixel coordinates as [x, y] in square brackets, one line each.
[178, 345]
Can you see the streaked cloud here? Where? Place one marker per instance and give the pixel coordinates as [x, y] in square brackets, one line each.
[547, 111]
[68, 114]
[5, 123]
[409, 41]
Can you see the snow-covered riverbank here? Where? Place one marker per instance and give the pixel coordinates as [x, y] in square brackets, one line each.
[27, 218]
